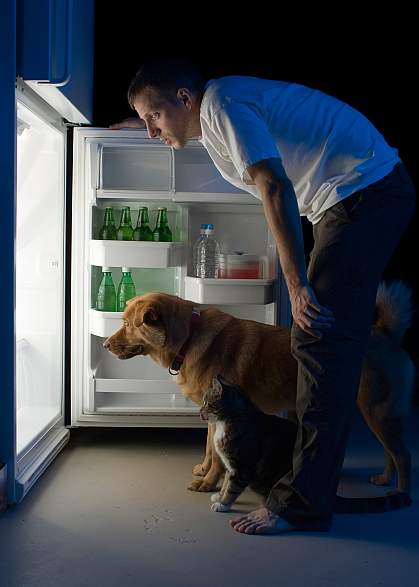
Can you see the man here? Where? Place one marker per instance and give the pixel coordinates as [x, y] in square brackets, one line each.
[301, 152]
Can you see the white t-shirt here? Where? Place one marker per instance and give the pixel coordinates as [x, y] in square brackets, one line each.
[328, 149]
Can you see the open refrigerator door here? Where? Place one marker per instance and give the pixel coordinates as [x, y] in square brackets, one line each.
[125, 168]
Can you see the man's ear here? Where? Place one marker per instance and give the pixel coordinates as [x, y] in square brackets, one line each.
[185, 96]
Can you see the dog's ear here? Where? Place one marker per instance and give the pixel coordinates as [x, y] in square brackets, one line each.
[150, 316]
[146, 314]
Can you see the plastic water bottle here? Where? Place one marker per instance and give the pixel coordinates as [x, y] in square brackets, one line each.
[206, 253]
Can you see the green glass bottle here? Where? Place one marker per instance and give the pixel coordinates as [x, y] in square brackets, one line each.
[162, 231]
[126, 289]
[125, 231]
[143, 231]
[106, 297]
[108, 230]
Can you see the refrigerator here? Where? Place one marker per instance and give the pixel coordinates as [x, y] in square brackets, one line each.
[60, 376]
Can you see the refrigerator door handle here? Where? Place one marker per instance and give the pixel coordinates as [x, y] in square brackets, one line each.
[66, 76]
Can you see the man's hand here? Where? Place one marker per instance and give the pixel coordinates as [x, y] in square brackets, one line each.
[308, 314]
[128, 123]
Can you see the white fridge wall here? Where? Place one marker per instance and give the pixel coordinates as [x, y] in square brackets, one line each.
[108, 170]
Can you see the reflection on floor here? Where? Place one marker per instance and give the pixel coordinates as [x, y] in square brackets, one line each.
[113, 510]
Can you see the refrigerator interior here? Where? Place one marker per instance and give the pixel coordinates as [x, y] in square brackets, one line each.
[39, 276]
[116, 170]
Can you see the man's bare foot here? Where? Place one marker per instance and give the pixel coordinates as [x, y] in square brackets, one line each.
[261, 521]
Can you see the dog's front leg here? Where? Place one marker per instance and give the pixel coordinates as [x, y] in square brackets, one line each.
[202, 469]
[210, 480]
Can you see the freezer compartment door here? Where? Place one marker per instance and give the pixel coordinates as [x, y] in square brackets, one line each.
[55, 54]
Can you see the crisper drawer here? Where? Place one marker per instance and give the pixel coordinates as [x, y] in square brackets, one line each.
[108, 253]
[229, 291]
[145, 168]
[141, 396]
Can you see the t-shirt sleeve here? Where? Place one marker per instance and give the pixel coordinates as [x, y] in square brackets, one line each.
[245, 136]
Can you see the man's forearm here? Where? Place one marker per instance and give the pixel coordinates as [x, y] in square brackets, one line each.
[281, 211]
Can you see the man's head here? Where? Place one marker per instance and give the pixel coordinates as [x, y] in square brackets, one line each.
[166, 94]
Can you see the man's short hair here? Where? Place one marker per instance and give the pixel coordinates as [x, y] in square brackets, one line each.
[166, 75]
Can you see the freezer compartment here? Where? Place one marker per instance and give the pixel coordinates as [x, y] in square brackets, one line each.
[136, 254]
[142, 396]
[229, 291]
[148, 167]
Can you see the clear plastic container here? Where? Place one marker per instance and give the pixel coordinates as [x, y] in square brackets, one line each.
[240, 266]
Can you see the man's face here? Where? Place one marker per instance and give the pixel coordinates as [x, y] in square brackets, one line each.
[167, 120]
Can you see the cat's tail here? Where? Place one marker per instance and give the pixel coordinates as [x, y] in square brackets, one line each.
[372, 505]
[393, 308]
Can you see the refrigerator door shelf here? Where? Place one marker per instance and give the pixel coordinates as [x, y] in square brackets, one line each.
[142, 254]
[104, 323]
[229, 291]
[141, 396]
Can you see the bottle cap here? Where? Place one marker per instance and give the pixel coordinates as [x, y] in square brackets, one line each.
[106, 270]
[207, 227]
[126, 269]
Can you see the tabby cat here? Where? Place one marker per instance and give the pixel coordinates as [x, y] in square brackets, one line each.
[256, 450]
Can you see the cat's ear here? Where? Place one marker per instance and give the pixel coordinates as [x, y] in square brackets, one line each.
[216, 385]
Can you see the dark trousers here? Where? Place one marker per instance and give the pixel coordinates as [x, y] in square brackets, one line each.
[353, 242]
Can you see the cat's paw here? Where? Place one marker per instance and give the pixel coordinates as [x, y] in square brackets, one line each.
[220, 507]
[215, 497]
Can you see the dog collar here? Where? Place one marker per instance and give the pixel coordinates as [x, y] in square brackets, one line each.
[180, 357]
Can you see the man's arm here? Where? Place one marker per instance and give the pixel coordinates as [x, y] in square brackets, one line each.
[281, 212]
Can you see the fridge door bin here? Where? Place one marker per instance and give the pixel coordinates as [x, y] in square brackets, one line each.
[229, 291]
[104, 323]
[141, 396]
[146, 254]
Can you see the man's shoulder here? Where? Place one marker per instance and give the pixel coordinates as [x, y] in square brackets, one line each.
[223, 91]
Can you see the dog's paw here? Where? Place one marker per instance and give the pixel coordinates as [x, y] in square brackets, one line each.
[215, 497]
[380, 480]
[199, 470]
[201, 485]
[219, 507]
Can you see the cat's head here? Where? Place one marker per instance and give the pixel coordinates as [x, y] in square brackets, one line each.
[221, 400]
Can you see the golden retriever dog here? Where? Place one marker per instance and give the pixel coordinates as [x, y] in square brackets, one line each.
[257, 357]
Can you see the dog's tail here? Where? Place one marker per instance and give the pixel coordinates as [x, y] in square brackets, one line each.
[372, 505]
[393, 310]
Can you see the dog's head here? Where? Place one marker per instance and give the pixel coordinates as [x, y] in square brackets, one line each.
[152, 324]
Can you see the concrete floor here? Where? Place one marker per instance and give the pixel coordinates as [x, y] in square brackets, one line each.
[113, 511]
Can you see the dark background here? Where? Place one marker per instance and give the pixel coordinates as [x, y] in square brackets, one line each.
[368, 64]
